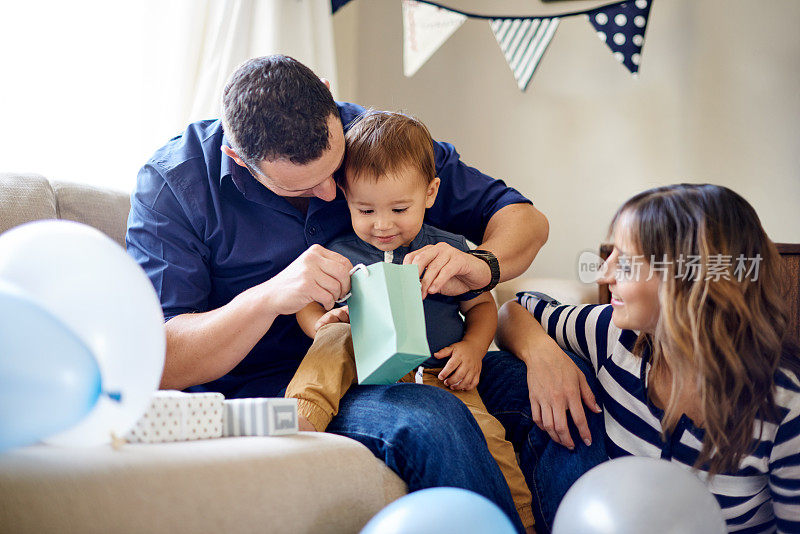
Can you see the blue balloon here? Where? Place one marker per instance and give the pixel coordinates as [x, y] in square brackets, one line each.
[440, 511]
[49, 380]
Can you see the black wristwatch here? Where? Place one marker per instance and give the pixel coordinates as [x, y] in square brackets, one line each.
[494, 268]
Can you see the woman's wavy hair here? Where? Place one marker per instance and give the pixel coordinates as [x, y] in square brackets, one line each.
[725, 322]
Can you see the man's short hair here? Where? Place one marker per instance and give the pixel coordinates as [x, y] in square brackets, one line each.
[382, 142]
[274, 107]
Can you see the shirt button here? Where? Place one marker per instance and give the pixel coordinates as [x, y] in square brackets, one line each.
[312, 230]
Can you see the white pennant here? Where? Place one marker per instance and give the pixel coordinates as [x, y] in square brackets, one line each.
[425, 29]
[523, 42]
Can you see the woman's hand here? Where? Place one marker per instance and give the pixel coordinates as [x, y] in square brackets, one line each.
[556, 385]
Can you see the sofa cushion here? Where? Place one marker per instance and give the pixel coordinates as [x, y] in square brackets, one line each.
[105, 209]
[30, 197]
[25, 198]
[307, 482]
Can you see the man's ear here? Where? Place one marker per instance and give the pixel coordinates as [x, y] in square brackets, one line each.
[326, 82]
[233, 155]
[433, 190]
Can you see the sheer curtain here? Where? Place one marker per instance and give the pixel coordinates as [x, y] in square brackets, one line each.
[90, 88]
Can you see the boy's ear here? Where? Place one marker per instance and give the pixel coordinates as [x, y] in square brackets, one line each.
[433, 190]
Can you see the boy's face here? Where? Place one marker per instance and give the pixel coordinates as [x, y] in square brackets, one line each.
[388, 213]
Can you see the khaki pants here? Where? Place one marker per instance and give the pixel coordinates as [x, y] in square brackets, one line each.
[328, 370]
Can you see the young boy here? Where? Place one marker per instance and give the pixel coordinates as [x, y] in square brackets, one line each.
[389, 181]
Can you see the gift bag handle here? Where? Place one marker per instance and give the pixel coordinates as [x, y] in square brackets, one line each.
[353, 270]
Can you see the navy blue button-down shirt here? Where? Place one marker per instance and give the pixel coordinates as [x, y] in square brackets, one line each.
[204, 230]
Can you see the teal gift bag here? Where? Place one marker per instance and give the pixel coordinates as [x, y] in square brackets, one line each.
[387, 322]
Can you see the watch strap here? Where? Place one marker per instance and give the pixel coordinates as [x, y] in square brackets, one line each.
[494, 268]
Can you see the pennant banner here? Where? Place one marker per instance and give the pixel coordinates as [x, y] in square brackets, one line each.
[336, 4]
[425, 29]
[523, 42]
[621, 27]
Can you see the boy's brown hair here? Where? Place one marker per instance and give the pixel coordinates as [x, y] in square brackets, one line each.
[382, 142]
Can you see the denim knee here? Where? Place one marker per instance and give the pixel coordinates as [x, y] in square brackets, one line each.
[431, 417]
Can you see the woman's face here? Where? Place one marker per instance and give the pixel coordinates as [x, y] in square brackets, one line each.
[633, 283]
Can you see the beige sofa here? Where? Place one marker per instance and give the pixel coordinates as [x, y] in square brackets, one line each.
[307, 482]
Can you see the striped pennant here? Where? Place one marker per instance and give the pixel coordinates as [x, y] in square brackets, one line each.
[523, 42]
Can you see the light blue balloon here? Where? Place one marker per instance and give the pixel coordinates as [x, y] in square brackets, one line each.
[49, 380]
[440, 511]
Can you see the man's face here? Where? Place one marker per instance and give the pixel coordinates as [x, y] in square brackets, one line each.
[314, 179]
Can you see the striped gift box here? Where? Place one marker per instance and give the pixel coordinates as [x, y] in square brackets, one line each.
[260, 417]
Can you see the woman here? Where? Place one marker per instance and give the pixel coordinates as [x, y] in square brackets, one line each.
[693, 357]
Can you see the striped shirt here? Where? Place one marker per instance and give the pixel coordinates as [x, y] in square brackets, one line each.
[763, 495]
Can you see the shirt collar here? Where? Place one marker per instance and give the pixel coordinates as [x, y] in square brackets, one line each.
[247, 185]
[227, 166]
[420, 240]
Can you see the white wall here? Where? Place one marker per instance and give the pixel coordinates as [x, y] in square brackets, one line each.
[717, 100]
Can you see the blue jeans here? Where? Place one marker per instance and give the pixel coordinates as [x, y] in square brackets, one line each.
[549, 468]
[425, 435]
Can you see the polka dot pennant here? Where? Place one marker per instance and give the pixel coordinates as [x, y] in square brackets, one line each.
[621, 27]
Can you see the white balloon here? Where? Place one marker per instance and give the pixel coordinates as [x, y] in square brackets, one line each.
[631, 495]
[88, 282]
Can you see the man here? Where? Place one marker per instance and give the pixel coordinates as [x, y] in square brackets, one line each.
[229, 220]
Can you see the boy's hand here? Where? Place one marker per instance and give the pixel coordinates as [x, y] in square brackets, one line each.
[336, 315]
[463, 370]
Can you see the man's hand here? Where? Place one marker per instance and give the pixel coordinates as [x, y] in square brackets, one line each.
[463, 370]
[318, 275]
[447, 270]
[555, 385]
[336, 315]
